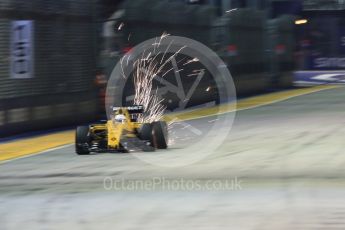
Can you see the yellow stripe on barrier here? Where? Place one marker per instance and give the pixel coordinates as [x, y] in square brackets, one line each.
[279, 96]
[28, 146]
[248, 103]
[33, 145]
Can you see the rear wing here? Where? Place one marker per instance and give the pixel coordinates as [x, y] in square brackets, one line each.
[134, 109]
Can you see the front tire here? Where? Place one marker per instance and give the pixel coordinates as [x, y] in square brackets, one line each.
[82, 140]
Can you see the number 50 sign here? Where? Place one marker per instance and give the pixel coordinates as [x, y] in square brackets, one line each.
[22, 59]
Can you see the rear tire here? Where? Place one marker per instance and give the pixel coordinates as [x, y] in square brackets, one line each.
[159, 135]
[82, 140]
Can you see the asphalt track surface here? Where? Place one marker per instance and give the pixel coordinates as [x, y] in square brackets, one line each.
[281, 167]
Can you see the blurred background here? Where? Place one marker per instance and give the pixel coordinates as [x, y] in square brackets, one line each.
[56, 56]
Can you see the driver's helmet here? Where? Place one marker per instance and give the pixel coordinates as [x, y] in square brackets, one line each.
[120, 118]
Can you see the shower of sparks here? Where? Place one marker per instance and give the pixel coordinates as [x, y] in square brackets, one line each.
[196, 72]
[231, 10]
[120, 26]
[154, 64]
[165, 34]
[146, 69]
[192, 60]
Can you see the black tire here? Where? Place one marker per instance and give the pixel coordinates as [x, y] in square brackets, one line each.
[82, 140]
[145, 132]
[160, 135]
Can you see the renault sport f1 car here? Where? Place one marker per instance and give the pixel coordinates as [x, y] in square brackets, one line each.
[122, 133]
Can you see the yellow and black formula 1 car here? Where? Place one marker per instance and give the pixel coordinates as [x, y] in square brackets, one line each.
[122, 133]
